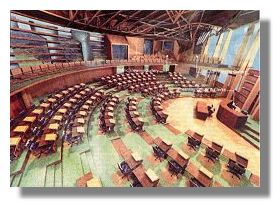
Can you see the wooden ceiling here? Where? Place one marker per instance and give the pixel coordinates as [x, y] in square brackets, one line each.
[182, 25]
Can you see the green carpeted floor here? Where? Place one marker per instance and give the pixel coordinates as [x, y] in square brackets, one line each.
[97, 155]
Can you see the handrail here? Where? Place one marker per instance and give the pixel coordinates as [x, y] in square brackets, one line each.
[88, 65]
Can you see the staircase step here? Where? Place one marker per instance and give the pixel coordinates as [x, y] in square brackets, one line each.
[50, 174]
[252, 135]
[252, 141]
[58, 175]
[84, 162]
[15, 181]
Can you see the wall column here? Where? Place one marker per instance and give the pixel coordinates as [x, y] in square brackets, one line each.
[225, 46]
[254, 92]
[83, 38]
[218, 46]
[247, 62]
[240, 53]
[27, 99]
[256, 113]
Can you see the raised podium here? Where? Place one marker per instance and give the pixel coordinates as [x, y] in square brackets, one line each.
[230, 117]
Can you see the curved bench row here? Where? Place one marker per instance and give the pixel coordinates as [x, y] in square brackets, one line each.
[34, 125]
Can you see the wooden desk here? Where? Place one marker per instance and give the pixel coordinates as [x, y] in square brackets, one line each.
[158, 108]
[77, 96]
[87, 89]
[215, 147]
[132, 108]
[21, 129]
[133, 160]
[202, 175]
[94, 98]
[146, 178]
[68, 105]
[45, 105]
[30, 119]
[81, 120]
[82, 113]
[51, 100]
[110, 109]
[57, 118]
[82, 92]
[58, 95]
[237, 158]
[180, 157]
[194, 135]
[53, 126]
[201, 110]
[111, 103]
[133, 114]
[14, 141]
[37, 111]
[230, 117]
[163, 144]
[86, 107]
[64, 92]
[73, 100]
[94, 182]
[62, 111]
[51, 137]
[81, 130]
[89, 102]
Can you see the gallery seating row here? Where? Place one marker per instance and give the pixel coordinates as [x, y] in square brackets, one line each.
[21, 74]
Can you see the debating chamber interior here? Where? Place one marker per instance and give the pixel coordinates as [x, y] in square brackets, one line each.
[134, 98]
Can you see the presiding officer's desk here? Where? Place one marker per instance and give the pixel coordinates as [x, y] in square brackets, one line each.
[230, 117]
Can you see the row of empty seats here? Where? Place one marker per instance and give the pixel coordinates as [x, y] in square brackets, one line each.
[107, 120]
[132, 115]
[37, 124]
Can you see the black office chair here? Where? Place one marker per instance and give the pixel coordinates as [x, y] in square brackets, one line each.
[193, 143]
[174, 168]
[235, 169]
[212, 155]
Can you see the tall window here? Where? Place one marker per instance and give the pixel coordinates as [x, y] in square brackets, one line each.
[167, 46]
[148, 47]
[119, 51]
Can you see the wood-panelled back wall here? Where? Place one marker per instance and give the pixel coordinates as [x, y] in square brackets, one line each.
[16, 105]
[48, 86]
[68, 80]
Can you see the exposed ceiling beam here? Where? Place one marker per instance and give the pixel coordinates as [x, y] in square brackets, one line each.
[141, 19]
[128, 17]
[112, 17]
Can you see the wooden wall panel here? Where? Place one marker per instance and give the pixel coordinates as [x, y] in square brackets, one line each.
[68, 80]
[16, 105]
[136, 46]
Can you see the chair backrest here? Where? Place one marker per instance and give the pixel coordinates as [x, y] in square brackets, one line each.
[65, 65]
[16, 72]
[36, 68]
[26, 70]
[58, 65]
